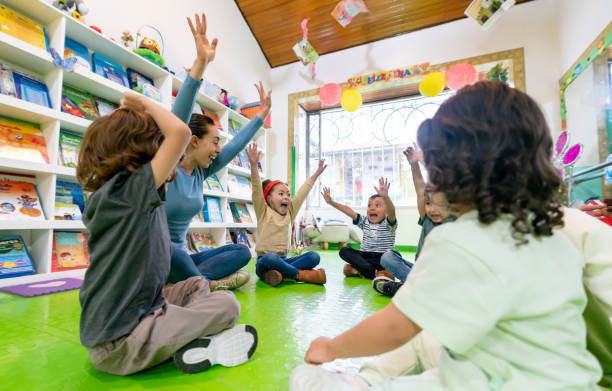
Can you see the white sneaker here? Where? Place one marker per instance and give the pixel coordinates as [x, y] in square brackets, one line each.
[229, 348]
[233, 281]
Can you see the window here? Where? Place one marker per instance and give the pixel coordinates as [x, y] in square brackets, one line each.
[361, 147]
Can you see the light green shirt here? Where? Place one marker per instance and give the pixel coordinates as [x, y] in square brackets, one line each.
[509, 317]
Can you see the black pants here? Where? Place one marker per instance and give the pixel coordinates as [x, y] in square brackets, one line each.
[367, 263]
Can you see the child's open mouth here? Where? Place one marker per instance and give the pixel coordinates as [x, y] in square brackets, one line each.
[284, 205]
[373, 216]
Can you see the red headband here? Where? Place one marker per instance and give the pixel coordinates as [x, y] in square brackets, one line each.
[269, 187]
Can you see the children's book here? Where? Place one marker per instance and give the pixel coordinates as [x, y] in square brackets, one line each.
[69, 251]
[69, 201]
[214, 183]
[240, 212]
[214, 117]
[19, 198]
[80, 52]
[110, 70]
[22, 141]
[212, 210]
[22, 28]
[31, 90]
[241, 238]
[201, 241]
[234, 127]
[14, 258]
[7, 82]
[78, 103]
[144, 85]
[70, 145]
[244, 161]
[105, 107]
[238, 185]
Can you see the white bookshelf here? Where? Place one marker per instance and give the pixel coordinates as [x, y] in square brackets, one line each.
[38, 235]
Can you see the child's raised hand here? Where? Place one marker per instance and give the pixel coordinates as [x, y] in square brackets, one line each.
[383, 187]
[322, 166]
[413, 154]
[206, 50]
[253, 154]
[265, 99]
[326, 193]
[318, 352]
[133, 100]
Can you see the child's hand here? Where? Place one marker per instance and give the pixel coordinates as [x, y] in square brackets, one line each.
[383, 187]
[253, 154]
[413, 154]
[322, 166]
[318, 352]
[133, 100]
[265, 99]
[326, 195]
[206, 51]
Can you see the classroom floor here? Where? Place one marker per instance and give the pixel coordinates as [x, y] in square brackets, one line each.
[40, 337]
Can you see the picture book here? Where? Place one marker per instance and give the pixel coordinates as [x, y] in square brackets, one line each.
[19, 198]
[22, 142]
[65, 211]
[144, 85]
[7, 83]
[214, 117]
[69, 201]
[80, 52]
[110, 70]
[244, 161]
[70, 145]
[14, 258]
[241, 238]
[234, 127]
[31, 90]
[69, 251]
[238, 185]
[240, 212]
[78, 103]
[212, 210]
[201, 241]
[214, 183]
[22, 28]
[105, 107]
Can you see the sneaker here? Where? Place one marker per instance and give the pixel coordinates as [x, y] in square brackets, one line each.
[350, 271]
[233, 281]
[229, 348]
[385, 286]
[272, 277]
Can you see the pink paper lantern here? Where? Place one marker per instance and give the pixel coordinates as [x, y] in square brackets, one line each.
[330, 94]
[461, 75]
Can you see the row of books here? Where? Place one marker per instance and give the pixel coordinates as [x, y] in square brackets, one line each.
[202, 241]
[69, 253]
[84, 105]
[241, 160]
[211, 211]
[236, 184]
[18, 83]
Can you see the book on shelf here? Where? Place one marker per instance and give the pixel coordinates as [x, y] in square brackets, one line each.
[78, 103]
[15, 260]
[80, 52]
[198, 218]
[31, 89]
[234, 127]
[143, 84]
[22, 28]
[240, 212]
[214, 117]
[214, 183]
[22, 141]
[238, 185]
[69, 251]
[201, 241]
[212, 210]
[19, 198]
[241, 238]
[69, 145]
[244, 161]
[7, 82]
[105, 107]
[69, 201]
[236, 161]
[109, 69]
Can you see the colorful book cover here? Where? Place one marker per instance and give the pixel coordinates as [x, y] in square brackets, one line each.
[7, 82]
[22, 28]
[105, 107]
[234, 127]
[31, 89]
[69, 201]
[214, 117]
[69, 251]
[201, 241]
[78, 103]
[14, 258]
[241, 238]
[236, 161]
[240, 212]
[214, 183]
[66, 211]
[19, 198]
[80, 52]
[212, 210]
[244, 161]
[109, 69]
[70, 145]
[22, 142]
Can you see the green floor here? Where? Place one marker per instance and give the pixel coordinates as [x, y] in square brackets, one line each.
[40, 337]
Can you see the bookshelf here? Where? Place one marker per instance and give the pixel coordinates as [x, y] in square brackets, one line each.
[38, 235]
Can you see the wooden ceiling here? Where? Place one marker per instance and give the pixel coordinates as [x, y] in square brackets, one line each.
[276, 23]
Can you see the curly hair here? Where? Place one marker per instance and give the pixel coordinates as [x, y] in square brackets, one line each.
[123, 140]
[490, 146]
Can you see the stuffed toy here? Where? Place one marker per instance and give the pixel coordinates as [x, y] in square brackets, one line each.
[75, 8]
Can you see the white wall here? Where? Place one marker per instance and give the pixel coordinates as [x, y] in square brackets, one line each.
[533, 26]
[239, 62]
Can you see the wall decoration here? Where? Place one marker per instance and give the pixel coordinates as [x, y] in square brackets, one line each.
[387, 76]
[346, 10]
[330, 94]
[432, 84]
[460, 75]
[486, 12]
[351, 100]
[304, 50]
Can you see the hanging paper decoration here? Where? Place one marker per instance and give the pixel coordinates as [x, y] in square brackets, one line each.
[304, 50]
[351, 100]
[346, 10]
[330, 94]
[486, 12]
[432, 84]
[460, 75]
[381, 77]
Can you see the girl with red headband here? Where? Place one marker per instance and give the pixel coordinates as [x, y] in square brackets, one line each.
[275, 211]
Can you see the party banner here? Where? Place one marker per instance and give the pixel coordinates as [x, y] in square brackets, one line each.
[382, 77]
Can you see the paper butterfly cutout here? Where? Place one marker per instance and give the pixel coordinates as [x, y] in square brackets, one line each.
[67, 64]
[565, 155]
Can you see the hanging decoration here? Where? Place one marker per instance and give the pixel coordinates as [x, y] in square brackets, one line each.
[460, 75]
[432, 84]
[393, 75]
[351, 100]
[566, 156]
[304, 50]
[346, 10]
[486, 12]
[330, 94]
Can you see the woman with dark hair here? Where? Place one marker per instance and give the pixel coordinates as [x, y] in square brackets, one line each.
[498, 288]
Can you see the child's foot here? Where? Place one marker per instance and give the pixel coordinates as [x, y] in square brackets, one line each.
[229, 348]
[272, 277]
[385, 273]
[350, 271]
[385, 286]
[233, 281]
[313, 276]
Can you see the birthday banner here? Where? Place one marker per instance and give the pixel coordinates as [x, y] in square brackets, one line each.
[396, 74]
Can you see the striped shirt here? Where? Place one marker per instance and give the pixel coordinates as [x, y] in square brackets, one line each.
[377, 238]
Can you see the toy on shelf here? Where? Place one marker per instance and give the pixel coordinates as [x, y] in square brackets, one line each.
[22, 28]
[128, 39]
[234, 103]
[223, 98]
[75, 8]
[148, 47]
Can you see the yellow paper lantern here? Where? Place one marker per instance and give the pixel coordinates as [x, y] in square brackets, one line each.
[351, 100]
[432, 84]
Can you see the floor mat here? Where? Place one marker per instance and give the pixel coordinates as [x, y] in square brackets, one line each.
[43, 287]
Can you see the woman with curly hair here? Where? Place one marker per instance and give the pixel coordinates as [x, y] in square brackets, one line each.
[498, 288]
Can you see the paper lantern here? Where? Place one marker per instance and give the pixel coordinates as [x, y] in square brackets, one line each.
[432, 84]
[460, 75]
[330, 94]
[351, 100]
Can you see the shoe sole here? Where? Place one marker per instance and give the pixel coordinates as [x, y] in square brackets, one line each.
[272, 277]
[229, 348]
[375, 283]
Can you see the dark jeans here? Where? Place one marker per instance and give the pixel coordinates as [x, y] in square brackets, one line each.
[367, 263]
[213, 263]
[288, 267]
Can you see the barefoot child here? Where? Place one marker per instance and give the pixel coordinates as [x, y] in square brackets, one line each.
[378, 233]
[275, 211]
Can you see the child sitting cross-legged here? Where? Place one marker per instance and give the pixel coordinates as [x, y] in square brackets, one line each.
[378, 233]
[433, 211]
[275, 211]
